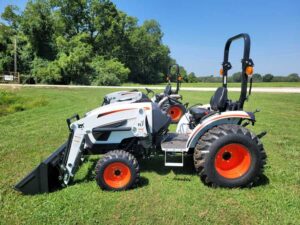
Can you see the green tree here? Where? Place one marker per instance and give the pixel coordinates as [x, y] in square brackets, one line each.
[237, 77]
[192, 78]
[74, 56]
[45, 71]
[113, 34]
[108, 72]
[11, 16]
[99, 19]
[293, 77]
[38, 25]
[183, 73]
[25, 53]
[6, 48]
[67, 36]
[268, 78]
[8, 33]
[257, 77]
[151, 58]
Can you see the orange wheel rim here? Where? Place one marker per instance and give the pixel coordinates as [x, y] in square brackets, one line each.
[117, 175]
[233, 161]
[175, 112]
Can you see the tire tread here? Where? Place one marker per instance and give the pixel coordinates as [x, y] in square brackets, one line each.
[205, 142]
[115, 155]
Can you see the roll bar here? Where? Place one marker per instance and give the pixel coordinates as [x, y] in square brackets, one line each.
[246, 61]
[177, 75]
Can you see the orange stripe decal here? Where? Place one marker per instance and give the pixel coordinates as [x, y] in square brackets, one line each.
[119, 110]
[111, 112]
[215, 119]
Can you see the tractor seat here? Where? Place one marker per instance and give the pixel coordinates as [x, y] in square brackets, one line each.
[219, 101]
[198, 112]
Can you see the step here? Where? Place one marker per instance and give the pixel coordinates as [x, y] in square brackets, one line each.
[173, 164]
[171, 160]
[174, 142]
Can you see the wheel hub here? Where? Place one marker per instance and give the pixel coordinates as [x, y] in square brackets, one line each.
[117, 172]
[226, 155]
[233, 161]
[175, 112]
[117, 175]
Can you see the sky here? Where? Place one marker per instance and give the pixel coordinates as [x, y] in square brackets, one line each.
[196, 31]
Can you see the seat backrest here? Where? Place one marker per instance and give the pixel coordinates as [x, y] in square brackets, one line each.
[168, 90]
[219, 100]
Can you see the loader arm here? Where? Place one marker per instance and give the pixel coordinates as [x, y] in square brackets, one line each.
[134, 126]
[59, 168]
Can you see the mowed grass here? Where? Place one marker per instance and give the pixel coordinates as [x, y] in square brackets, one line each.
[204, 84]
[164, 195]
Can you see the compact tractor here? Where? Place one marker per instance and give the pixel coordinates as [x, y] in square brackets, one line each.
[225, 152]
[168, 101]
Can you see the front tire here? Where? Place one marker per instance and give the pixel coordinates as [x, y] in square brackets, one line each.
[229, 156]
[117, 170]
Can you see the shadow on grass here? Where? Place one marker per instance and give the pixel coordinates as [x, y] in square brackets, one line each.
[91, 176]
[143, 182]
[156, 164]
[262, 181]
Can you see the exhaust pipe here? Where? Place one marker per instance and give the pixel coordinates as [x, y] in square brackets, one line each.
[45, 177]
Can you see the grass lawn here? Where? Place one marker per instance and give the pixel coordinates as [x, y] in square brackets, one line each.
[165, 195]
[10, 102]
[262, 84]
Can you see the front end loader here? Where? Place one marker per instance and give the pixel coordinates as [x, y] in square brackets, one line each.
[225, 152]
[45, 177]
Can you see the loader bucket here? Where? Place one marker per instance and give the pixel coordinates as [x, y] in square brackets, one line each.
[45, 177]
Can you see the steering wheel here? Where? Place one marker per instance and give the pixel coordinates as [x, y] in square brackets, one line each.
[149, 91]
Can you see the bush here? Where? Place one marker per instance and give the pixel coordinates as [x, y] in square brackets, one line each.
[45, 71]
[257, 77]
[74, 56]
[192, 78]
[210, 79]
[294, 77]
[268, 78]
[107, 80]
[237, 77]
[109, 72]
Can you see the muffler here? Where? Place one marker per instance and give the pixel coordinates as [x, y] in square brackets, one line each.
[45, 177]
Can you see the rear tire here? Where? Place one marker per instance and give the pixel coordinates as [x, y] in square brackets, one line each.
[229, 156]
[175, 111]
[117, 170]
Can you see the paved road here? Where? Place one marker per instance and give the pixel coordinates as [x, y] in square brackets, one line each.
[255, 89]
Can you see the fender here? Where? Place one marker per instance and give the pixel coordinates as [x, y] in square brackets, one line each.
[229, 117]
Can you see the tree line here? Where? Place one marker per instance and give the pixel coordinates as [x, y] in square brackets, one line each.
[89, 42]
[82, 42]
[236, 77]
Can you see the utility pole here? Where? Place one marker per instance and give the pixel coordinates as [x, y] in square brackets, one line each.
[15, 60]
